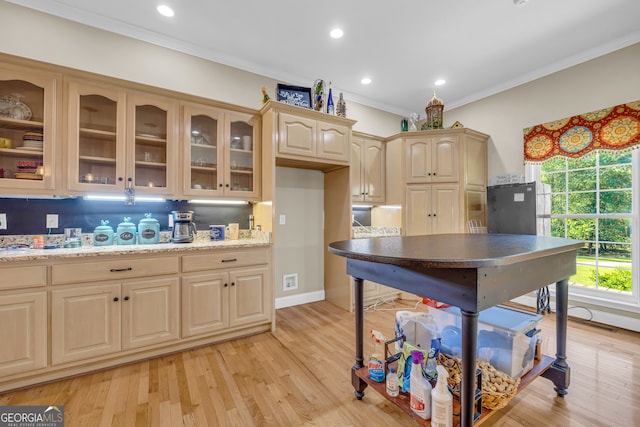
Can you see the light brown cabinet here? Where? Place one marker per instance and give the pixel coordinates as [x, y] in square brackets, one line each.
[310, 136]
[444, 182]
[29, 161]
[432, 209]
[221, 152]
[23, 334]
[367, 169]
[102, 318]
[431, 159]
[118, 138]
[225, 291]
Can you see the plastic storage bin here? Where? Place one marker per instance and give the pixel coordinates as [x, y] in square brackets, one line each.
[506, 337]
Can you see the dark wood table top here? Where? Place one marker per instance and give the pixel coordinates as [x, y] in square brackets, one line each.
[453, 250]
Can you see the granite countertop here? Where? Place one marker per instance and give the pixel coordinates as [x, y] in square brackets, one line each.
[88, 250]
[375, 231]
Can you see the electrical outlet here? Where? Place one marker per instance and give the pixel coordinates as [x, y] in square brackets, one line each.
[3, 221]
[170, 221]
[290, 282]
[52, 221]
[283, 219]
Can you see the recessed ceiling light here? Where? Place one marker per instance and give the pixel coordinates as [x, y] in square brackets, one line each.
[440, 82]
[336, 33]
[520, 3]
[365, 81]
[165, 10]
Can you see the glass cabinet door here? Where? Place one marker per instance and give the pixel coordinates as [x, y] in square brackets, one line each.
[27, 132]
[96, 138]
[242, 156]
[151, 156]
[202, 141]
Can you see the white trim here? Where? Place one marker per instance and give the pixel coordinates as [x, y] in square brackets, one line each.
[591, 312]
[299, 299]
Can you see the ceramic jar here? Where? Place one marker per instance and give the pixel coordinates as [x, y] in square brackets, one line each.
[126, 232]
[103, 234]
[148, 230]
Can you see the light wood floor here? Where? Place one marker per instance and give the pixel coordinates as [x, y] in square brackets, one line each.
[299, 375]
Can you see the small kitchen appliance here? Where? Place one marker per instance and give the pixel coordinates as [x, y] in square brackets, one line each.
[184, 230]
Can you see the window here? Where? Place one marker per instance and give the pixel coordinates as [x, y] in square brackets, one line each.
[593, 199]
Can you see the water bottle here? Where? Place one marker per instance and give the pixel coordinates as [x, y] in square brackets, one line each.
[393, 388]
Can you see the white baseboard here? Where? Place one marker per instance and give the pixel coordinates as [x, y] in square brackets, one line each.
[589, 312]
[298, 299]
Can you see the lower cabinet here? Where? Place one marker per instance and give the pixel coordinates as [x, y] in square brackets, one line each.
[23, 335]
[98, 319]
[218, 300]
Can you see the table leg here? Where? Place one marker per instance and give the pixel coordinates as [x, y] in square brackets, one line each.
[358, 384]
[559, 372]
[469, 346]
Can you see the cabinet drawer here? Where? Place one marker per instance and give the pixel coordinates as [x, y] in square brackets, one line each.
[23, 277]
[115, 269]
[231, 259]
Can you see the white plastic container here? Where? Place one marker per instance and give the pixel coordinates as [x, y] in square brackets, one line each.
[420, 388]
[506, 337]
[393, 387]
[441, 401]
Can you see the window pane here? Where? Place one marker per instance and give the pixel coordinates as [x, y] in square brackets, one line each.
[581, 180]
[615, 201]
[614, 267]
[555, 164]
[581, 228]
[614, 230]
[557, 227]
[583, 162]
[556, 181]
[615, 158]
[558, 203]
[582, 203]
[615, 177]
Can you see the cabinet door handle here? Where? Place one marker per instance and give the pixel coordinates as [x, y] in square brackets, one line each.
[126, 298]
[115, 270]
[227, 185]
[220, 184]
[233, 283]
[226, 284]
[116, 299]
[230, 260]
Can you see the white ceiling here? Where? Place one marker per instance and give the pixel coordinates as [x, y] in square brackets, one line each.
[480, 47]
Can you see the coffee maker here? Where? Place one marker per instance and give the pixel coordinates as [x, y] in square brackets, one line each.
[184, 230]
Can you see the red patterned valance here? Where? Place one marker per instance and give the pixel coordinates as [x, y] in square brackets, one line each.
[614, 128]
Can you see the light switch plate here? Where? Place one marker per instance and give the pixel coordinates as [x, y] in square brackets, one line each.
[283, 219]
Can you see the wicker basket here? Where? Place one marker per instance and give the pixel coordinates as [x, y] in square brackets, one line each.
[498, 388]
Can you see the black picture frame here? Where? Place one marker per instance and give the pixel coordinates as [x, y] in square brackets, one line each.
[294, 95]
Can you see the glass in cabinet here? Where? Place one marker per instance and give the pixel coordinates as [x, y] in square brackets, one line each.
[220, 154]
[119, 139]
[27, 131]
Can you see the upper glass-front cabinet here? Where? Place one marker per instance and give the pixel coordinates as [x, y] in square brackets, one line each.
[119, 139]
[27, 132]
[220, 154]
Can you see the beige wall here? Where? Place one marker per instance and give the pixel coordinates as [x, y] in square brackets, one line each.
[602, 82]
[299, 243]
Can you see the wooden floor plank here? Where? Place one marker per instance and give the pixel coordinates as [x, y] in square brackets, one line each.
[299, 375]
